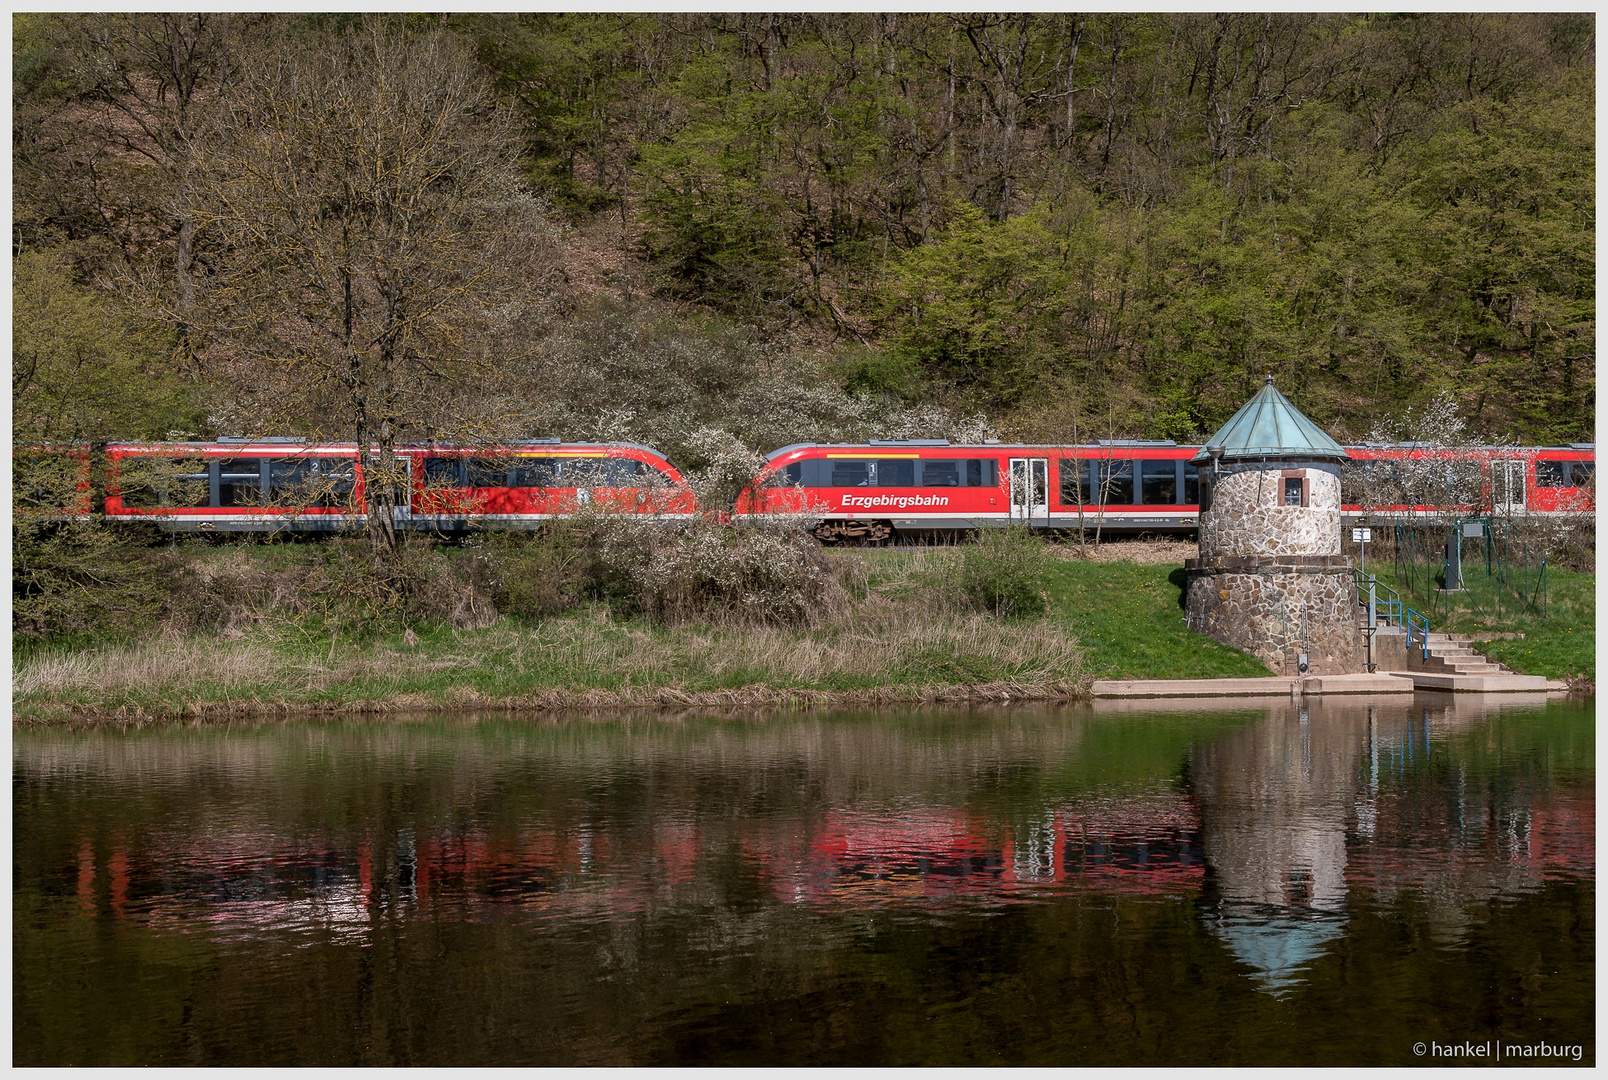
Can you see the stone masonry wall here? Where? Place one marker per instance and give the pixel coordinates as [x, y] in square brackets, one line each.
[1248, 515]
[1258, 604]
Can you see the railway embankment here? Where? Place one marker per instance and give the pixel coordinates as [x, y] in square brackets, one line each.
[278, 630]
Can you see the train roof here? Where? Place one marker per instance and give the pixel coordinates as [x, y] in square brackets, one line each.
[990, 445]
[288, 442]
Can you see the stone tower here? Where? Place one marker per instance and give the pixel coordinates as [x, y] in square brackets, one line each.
[1270, 578]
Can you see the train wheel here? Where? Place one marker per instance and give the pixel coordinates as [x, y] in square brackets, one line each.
[829, 532]
[854, 533]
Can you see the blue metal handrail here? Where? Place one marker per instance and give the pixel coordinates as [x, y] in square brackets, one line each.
[1416, 621]
[1390, 606]
[1386, 601]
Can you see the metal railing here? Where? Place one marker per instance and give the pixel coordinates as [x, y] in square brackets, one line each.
[1380, 601]
[1415, 621]
[1376, 598]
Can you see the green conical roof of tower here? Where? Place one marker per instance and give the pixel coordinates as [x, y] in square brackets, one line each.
[1268, 426]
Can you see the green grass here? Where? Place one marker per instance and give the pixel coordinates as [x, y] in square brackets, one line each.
[1128, 617]
[1559, 645]
[1130, 621]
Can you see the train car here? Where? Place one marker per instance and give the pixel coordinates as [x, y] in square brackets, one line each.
[523, 485]
[875, 490]
[1509, 480]
[287, 485]
[235, 485]
[880, 489]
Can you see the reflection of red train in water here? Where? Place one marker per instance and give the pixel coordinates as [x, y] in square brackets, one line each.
[867, 858]
[852, 491]
[844, 860]
[1142, 846]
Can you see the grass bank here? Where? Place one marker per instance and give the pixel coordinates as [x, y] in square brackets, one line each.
[585, 658]
[899, 639]
[1562, 644]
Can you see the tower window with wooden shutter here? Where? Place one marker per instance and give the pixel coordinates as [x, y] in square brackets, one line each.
[1293, 488]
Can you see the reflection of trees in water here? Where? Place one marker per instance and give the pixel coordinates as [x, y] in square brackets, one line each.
[1390, 798]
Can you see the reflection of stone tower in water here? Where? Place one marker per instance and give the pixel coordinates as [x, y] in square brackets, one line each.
[1275, 800]
[1270, 578]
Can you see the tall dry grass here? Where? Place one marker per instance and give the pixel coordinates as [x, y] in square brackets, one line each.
[883, 643]
[120, 670]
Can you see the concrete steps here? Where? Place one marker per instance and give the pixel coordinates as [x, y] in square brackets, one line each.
[1452, 654]
[1452, 664]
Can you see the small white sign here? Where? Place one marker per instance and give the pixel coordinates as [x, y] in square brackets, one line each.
[1361, 536]
[1474, 529]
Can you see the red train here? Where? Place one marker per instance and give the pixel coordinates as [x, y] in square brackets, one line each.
[265, 485]
[874, 490]
[861, 491]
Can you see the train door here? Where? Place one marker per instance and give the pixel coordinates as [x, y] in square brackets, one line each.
[402, 496]
[1030, 491]
[1508, 486]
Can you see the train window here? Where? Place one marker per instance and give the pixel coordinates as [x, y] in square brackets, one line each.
[1101, 483]
[1158, 482]
[240, 482]
[619, 472]
[941, 473]
[649, 475]
[848, 473]
[787, 476]
[487, 472]
[1116, 484]
[1582, 473]
[443, 472]
[311, 482]
[1551, 474]
[982, 472]
[536, 472]
[1071, 481]
[152, 483]
[896, 472]
[1191, 485]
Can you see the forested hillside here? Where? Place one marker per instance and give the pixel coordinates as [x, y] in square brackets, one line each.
[711, 230]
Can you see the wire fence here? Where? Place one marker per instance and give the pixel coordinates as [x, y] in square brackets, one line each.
[1474, 566]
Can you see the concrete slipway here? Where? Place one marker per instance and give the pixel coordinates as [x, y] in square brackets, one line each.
[1392, 682]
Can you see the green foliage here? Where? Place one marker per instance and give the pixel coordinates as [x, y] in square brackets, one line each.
[1421, 221]
[535, 575]
[869, 372]
[76, 580]
[81, 370]
[82, 367]
[1033, 214]
[1003, 572]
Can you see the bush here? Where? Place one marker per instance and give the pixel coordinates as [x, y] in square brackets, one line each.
[745, 574]
[77, 579]
[534, 575]
[336, 584]
[1001, 571]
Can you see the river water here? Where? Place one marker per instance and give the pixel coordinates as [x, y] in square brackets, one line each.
[1354, 882]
